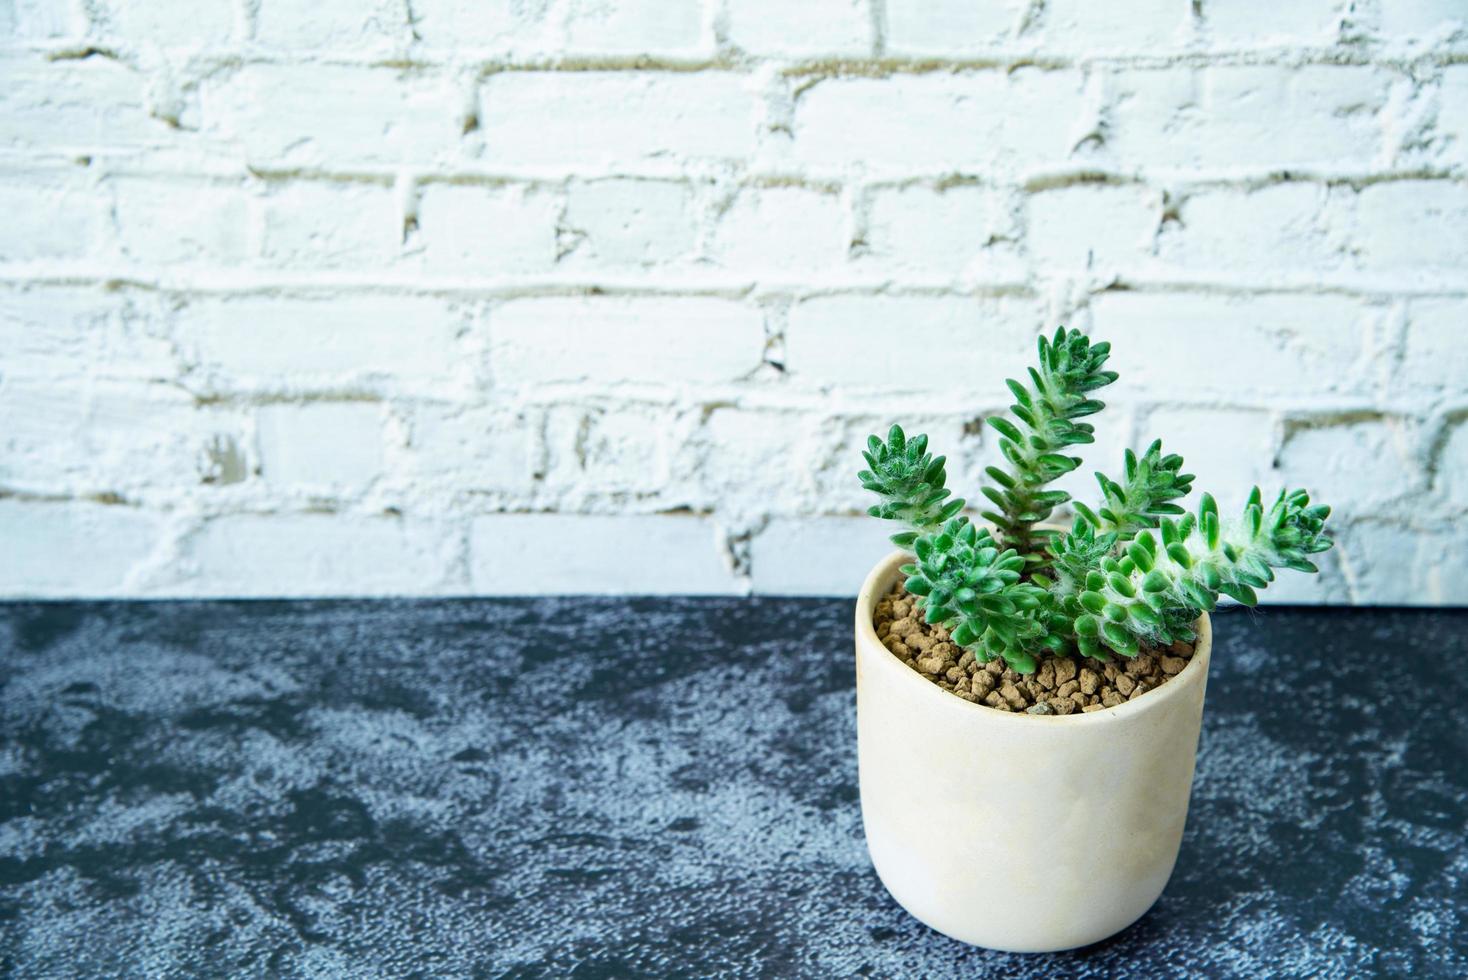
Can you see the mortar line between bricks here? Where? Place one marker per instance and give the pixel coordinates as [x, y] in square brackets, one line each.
[375, 282]
[814, 178]
[489, 63]
[653, 507]
[815, 402]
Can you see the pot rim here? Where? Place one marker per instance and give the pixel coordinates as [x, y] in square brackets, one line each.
[866, 633]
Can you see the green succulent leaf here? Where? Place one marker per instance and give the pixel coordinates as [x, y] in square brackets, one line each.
[1203, 559]
[909, 483]
[973, 587]
[1070, 367]
[1143, 497]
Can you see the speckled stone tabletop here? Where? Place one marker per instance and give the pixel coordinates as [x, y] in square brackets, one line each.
[655, 787]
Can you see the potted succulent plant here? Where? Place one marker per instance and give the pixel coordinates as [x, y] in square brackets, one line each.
[1029, 697]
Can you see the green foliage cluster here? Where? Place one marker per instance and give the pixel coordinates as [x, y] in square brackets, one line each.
[1137, 568]
[1069, 371]
[910, 482]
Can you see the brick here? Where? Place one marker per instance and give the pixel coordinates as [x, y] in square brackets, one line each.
[1452, 113]
[1267, 233]
[1441, 567]
[316, 555]
[628, 222]
[608, 340]
[1092, 227]
[1452, 464]
[1228, 450]
[727, 460]
[1434, 356]
[453, 448]
[323, 447]
[49, 215]
[910, 342]
[1412, 228]
[329, 225]
[936, 123]
[595, 450]
[612, 119]
[1245, 348]
[597, 554]
[289, 345]
[811, 27]
[170, 23]
[1324, 455]
[50, 333]
[1147, 26]
[72, 549]
[46, 446]
[179, 219]
[311, 115]
[487, 230]
[60, 333]
[650, 27]
[521, 27]
[949, 27]
[35, 20]
[1260, 23]
[77, 106]
[1390, 564]
[86, 437]
[942, 232]
[781, 229]
[1250, 117]
[1420, 19]
[331, 24]
[817, 555]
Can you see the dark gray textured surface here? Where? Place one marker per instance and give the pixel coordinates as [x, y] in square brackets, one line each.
[654, 787]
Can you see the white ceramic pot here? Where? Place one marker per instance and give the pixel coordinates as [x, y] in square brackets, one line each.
[1026, 833]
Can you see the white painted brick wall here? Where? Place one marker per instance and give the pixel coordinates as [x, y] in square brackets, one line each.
[812, 27]
[937, 235]
[321, 224]
[612, 223]
[940, 122]
[478, 230]
[605, 295]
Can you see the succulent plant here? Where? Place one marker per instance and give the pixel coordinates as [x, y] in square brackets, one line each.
[971, 585]
[1060, 392]
[909, 480]
[1136, 569]
[1155, 591]
[1148, 487]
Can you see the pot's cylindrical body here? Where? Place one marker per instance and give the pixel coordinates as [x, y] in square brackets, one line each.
[1027, 833]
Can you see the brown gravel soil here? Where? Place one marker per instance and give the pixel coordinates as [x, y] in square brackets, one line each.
[1059, 686]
